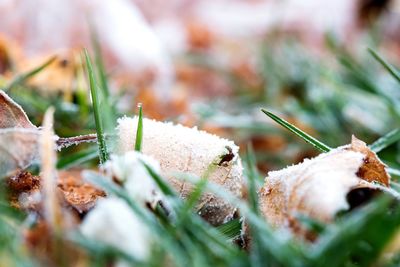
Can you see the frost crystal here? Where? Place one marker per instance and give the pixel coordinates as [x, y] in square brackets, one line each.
[181, 149]
[131, 172]
[112, 222]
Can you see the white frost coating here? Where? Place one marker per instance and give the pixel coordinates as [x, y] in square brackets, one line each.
[130, 171]
[181, 149]
[112, 222]
[317, 187]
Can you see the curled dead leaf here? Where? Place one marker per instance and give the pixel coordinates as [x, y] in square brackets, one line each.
[12, 115]
[372, 169]
[319, 188]
[79, 194]
[179, 150]
[19, 138]
[18, 149]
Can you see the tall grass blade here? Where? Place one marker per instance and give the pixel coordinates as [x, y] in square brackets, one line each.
[103, 152]
[306, 137]
[101, 71]
[77, 158]
[252, 177]
[231, 229]
[393, 171]
[109, 110]
[164, 187]
[395, 74]
[386, 140]
[360, 237]
[139, 131]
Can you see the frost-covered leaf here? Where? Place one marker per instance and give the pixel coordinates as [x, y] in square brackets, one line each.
[19, 138]
[181, 149]
[18, 149]
[11, 114]
[323, 187]
[372, 169]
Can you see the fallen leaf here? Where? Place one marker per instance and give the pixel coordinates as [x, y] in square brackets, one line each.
[322, 187]
[12, 115]
[372, 169]
[79, 194]
[18, 149]
[181, 149]
[19, 138]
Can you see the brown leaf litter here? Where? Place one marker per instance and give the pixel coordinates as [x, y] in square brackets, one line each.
[320, 188]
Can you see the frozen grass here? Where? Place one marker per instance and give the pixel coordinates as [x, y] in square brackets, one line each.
[183, 238]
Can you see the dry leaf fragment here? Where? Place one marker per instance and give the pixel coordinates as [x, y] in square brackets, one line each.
[18, 149]
[12, 115]
[80, 195]
[19, 138]
[52, 209]
[372, 169]
[181, 149]
[320, 188]
[24, 189]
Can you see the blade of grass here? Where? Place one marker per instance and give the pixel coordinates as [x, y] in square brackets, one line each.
[306, 137]
[394, 172]
[360, 237]
[109, 110]
[139, 131]
[385, 141]
[77, 158]
[98, 249]
[273, 245]
[164, 187]
[231, 229]
[252, 177]
[195, 225]
[101, 72]
[25, 76]
[395, 74]
[103, 152]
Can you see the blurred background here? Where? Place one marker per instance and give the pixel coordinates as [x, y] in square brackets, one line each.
[214, 64]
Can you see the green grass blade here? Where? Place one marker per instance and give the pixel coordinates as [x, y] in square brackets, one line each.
[101, 71]
[252, 178]
[164, 186]
[98, 249]
[109, 110]
[77, 158]
[393, 171]
[360, 237]
[306, 137]
[103, 152]
[395, 74]
[25, 76]
[231, 229]
[139, 131]
[386, 140]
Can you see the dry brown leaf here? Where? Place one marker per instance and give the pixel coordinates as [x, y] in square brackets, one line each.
[179, 150]
[24, 191]
[320, 188]
[12, 115]
[373, 169]
[19, 138]
[80, 195]
[48, 159]
[18, 149]
[59, 75]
